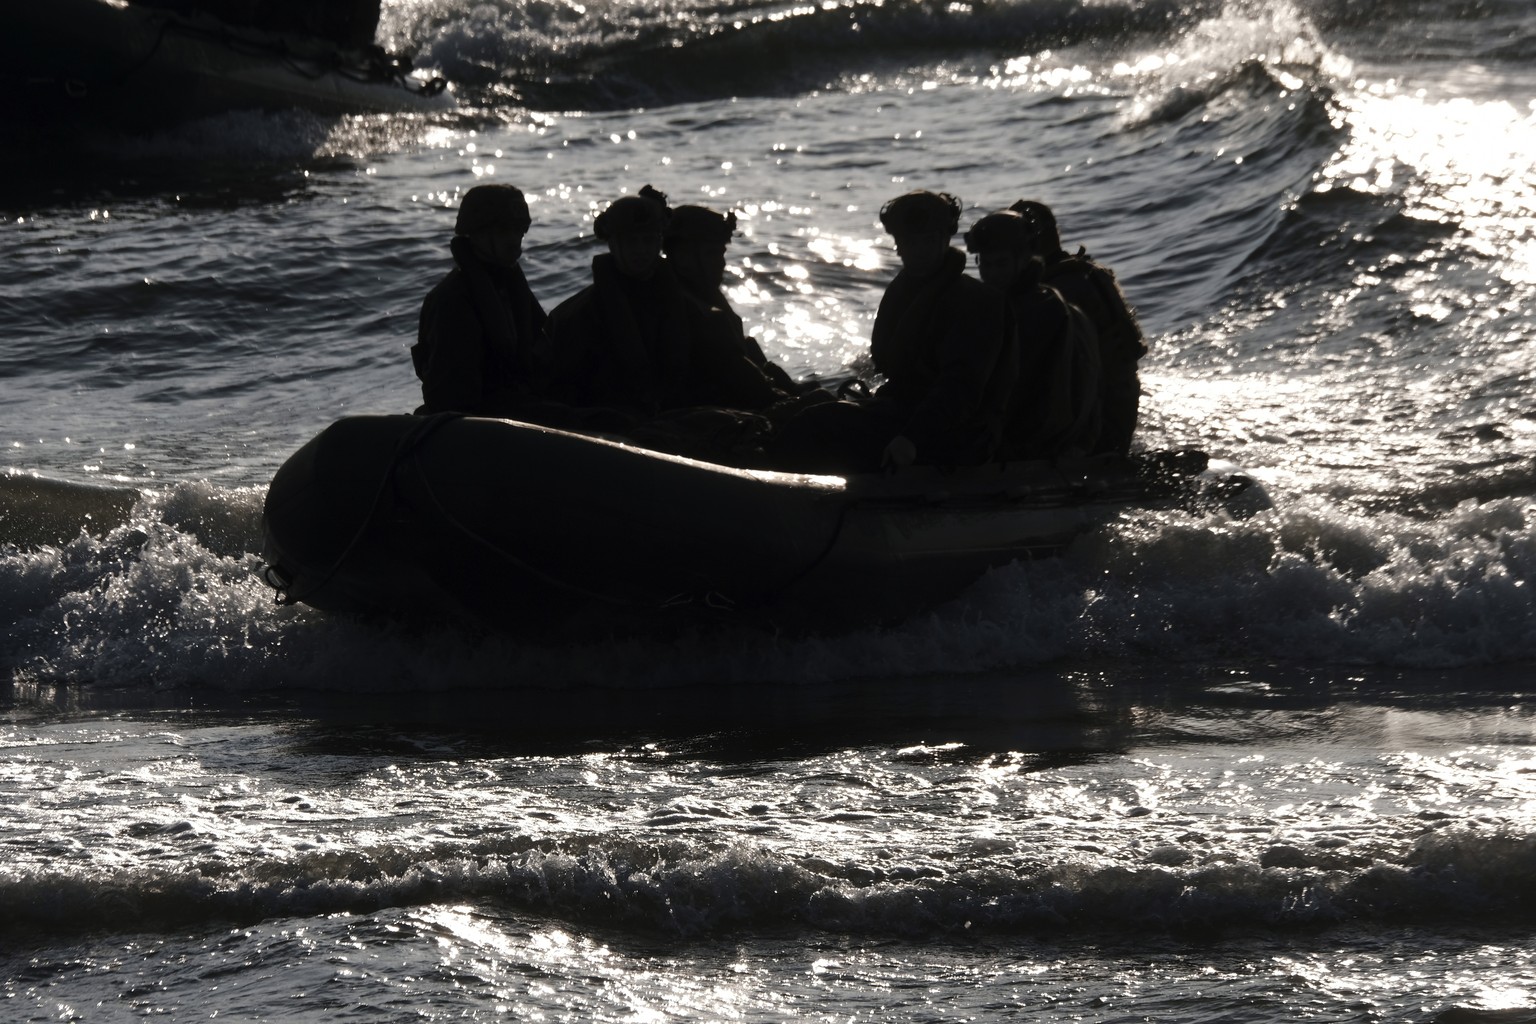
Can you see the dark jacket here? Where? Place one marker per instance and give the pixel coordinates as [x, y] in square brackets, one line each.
[1056, 405]
[645, 347]
[942, 344]
[479, 339]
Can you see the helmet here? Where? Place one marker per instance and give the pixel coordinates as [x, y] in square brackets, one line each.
[1006, 229]
[700, 224]
[487, 206]
[921, 211]
[644, 212]
[1042, 222]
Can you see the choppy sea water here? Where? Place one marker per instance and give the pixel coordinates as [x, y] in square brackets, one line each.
[1198, 769]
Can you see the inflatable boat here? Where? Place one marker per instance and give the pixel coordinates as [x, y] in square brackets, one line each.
[141, 66]
[510, 526]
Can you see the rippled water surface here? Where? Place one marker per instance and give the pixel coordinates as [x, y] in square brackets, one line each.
[1197, 769]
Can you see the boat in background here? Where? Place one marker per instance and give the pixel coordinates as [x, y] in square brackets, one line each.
[508, 525]
[131, 66]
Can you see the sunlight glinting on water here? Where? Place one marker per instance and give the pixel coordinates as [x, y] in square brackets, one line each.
[1363, 979]
[662, 993]
[1038, 72]
[1255, 409]
[1471, 160]
[801, 315]
[865, 254]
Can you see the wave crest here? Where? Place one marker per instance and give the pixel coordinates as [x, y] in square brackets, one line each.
[689, 889]
[611, 55]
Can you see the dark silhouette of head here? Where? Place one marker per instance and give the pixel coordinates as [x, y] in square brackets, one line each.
[645, 212]
[491, 223]
[1006, 229]
[634, 227]
[695, 245]
[492, 206]
[922, 223]
[921, 212]
[699, 224]
[1003, 244]
[1046, 236]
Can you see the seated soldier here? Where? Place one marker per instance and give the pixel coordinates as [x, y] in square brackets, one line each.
[481, 328]
[1055, 406]
[633, 341]
[1092, 288]
[941, 340]
[695, 244]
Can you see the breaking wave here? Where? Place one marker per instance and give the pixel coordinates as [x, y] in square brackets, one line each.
[1455, 875]
[165, 596]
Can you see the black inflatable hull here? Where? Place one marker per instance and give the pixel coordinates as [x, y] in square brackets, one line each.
[510, 525]
[94, 60]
